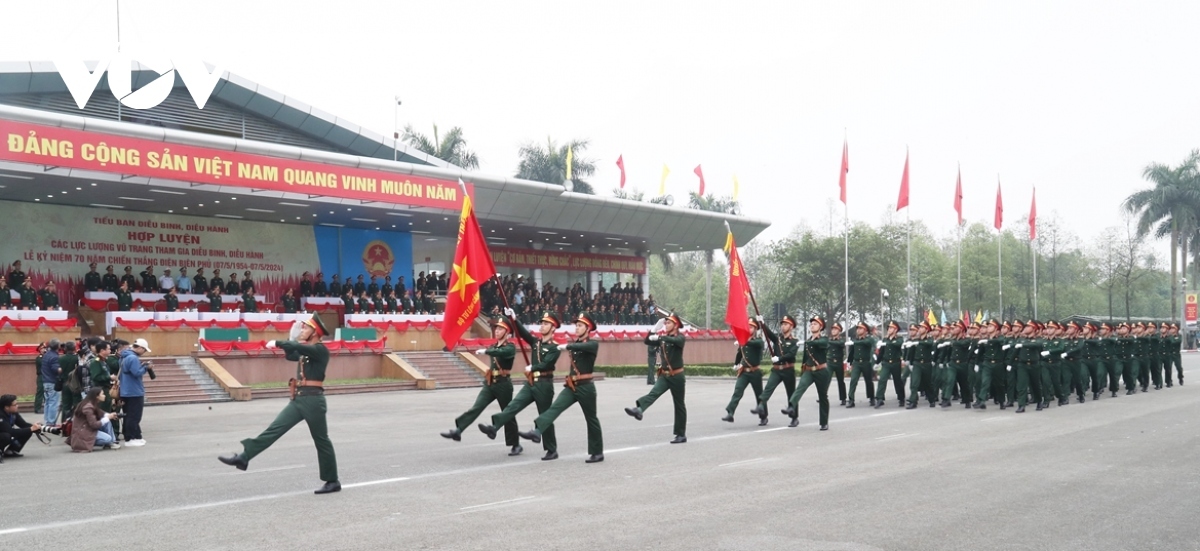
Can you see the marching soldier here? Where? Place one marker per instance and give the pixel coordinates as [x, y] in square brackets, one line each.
[990, 352]
[497, 387]
[837, 358]
[578, 388]
[1051, 365]
[1093, 359]
[539, 382]
[747, 364]
[670, 375]
[816, 370]
[1174, 351]
[889, 352]
[1073, 362]
[958, 362]
[1125, 354]
[783, 366]
[307, 404]
[1154, 357]
[922, 351]
[861, 350]
[1029, 355]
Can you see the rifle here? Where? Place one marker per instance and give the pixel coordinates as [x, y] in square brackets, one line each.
[574, 372]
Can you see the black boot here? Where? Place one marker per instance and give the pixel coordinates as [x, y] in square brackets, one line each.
[679, 439]
[850, 404]
[727, 418]
[453, 435]
[516, 450]
[236, 460]
[1020, 409]
[489, 430]
[843, 402]
[945, 403]
[758, 410]
[550, 456]
[1114, 394]
[878, 404]
[824, 427]
[1041, 406]
[762, 421]
[911, 405]
[594, 458]
[329, 488]
[634, 412]
[534, 436]
[795, 422]
[1095, 396]
[871, 402]
[790, 412]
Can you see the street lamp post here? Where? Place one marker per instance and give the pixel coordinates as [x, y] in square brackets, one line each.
[396, 131]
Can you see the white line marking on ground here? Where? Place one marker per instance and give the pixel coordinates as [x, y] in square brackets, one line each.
[1004, 418]
[514, 500]
[375, 482]
[624, 449]
[771, 430]
[896, 436]
[746, 462]
[12, 531]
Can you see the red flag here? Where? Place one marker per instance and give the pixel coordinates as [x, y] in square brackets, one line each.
[903, 200]
[701, 175]
[739, 295]
[845, 169]
[1033, 217]
[958, 197]
[621, 165]
[472, 267]
[999, 207]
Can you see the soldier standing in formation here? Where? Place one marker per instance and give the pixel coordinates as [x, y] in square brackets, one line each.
[539, 381]
[670, 375]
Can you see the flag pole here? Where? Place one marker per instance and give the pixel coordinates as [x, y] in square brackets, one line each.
[960, 308]
[1033, 247]
[908, 287]
[503, 297]
[846, 251]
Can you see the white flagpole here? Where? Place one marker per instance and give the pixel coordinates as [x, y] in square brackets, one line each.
[1033, 247]
[847, 265]
[960, 308]
[909, 297]
[1000, 268]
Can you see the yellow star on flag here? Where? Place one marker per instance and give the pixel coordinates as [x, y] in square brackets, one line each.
[462, 279]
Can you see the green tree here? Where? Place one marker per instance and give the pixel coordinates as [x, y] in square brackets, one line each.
[549, 164]
[451, 148]
[1170, 208]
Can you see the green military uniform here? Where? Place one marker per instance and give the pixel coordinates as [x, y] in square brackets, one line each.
[1051, 368]
[579, 388]
[70, 398]
[538, 389]
[28, 298]
[1094, 361]
[249, 303]
[990, 353]
[670, 377]
[5, 298]
[889, 353]
[1029, 381]
[836, 360]
[1076, 373]
[124, 300]
[748, 362]
[1114, 363]
[1173, 355]
[49, 300]
[91, 281]
[921, 372]
[172, 301]
[348, 303]
[289, 304]
[214, 300]
[113, 363]
[1154, 358]
[392, 306]
[959, 369]
[814, 363]
[1012, 375]
[110, 283]
[496, 388]
[782, 371]
[40, 396]
[1128, 349]
[861, 362]
[308, 406]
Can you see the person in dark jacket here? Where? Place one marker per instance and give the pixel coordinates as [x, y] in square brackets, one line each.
[14, 430]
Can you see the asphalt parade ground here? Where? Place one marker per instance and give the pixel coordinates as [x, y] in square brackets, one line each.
[1120, 473]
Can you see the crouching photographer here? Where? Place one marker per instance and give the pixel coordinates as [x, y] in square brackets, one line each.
[14, 431]
[91, 427]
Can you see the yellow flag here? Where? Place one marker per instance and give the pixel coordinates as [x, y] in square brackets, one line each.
[737, 188]
[979, 316]
[662, 184]
[930, 317]
[570, 157]
[728, 242]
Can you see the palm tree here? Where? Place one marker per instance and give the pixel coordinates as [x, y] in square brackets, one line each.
[550, 164]
[710, 203]
[452, 148]
[1171, 207]
[633, 195]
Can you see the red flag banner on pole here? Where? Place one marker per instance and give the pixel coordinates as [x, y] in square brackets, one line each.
[999, 207]
[958, 197]
[701, 175]
[845, 170]
[472, 267]
[1033, 217]
[739, 295]
[621, 165]
[903, 200]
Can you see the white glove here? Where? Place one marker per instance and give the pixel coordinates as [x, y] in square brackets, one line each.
[510, 313]
[774, 359]
[1064, 355]
[1006, 347]
[481, 351]
[1009, 368]
[1019, 345]
[977, 369]
[1045, 353]
[271, 344]
[528, 368]
[735, 367]
[653, 338]
[878, 345]
[659, 325]
[294, 333]
[758, 318]
[849, 343]
[983, 341]
[562, 347]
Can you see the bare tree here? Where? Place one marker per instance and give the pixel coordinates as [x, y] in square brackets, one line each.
[1105, 261]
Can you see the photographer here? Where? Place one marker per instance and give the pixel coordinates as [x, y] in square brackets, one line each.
[133, 390]
[14, 431]
[91, 427]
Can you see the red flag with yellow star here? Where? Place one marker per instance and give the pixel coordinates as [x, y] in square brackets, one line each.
[739, 295]
[472, 267]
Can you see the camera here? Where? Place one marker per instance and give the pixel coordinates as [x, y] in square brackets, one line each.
[55, 430]
[121, 415]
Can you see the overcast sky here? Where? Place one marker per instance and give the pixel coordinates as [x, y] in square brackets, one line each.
[1074, 97]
